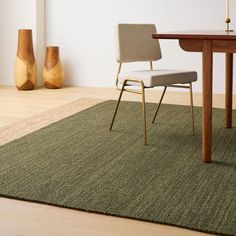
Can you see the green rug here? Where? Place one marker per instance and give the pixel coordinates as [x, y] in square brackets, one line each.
[77, 163]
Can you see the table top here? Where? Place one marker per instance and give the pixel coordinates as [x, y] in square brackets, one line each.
[197, 34]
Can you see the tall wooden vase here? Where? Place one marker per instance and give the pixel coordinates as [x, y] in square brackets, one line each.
[53, 74]
[25, 72]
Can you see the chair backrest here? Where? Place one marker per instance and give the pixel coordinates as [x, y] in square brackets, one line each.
[135, 43]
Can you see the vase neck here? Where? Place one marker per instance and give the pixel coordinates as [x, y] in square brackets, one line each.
[52, 57]
[25, 49]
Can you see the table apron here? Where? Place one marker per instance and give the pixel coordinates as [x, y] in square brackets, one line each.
[196, 45]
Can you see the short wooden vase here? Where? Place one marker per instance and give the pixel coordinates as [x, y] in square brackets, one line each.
[53, 74]
[25, 71]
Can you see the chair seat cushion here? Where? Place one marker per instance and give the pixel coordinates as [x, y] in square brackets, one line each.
[152, 78]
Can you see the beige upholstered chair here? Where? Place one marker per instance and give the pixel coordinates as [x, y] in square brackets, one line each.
[135, 43]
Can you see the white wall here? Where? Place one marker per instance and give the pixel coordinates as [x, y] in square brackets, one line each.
[84, 30]
[14, 15]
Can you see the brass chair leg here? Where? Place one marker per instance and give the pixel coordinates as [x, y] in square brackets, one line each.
[118, 103]
[192, 108]
[151, 65]
[144, 113]
[159, 105]
[117, 76]
[143, 107]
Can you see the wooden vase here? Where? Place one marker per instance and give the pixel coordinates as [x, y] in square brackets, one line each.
[53, 74]
[25, 71]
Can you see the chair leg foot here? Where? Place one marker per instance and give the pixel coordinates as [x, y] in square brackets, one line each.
[192, 109]
[117, 106]
[144, 115]
[159, 105]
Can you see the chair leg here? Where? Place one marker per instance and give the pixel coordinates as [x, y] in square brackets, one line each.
[159, 104]
[117, 106]
[192, 108]
[144, 114]
[143, 108]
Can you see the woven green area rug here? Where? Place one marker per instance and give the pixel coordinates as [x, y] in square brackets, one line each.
[77, 163]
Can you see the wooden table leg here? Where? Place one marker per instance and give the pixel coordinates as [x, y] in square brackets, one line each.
[207, 101]
[229, 90]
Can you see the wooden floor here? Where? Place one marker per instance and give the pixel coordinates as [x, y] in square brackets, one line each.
[17, 105]
[25, 218]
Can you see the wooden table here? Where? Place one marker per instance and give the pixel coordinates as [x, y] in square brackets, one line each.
[209, 42]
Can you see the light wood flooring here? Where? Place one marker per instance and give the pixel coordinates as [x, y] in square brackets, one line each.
[19, 218]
